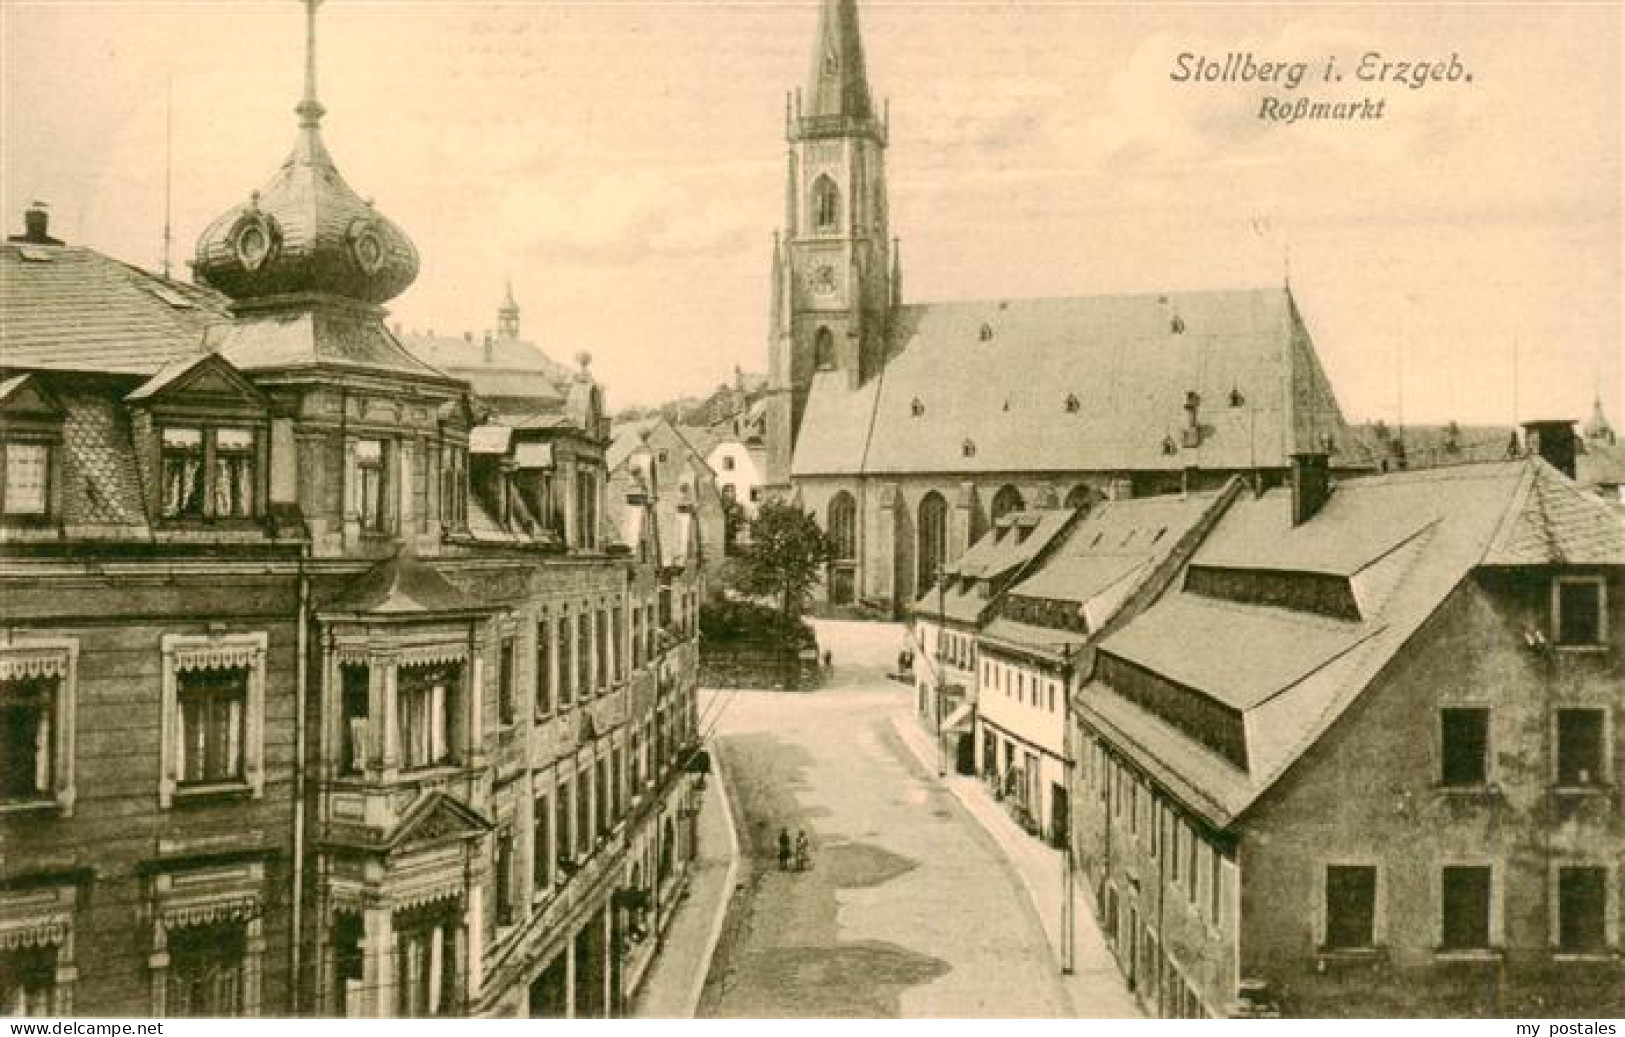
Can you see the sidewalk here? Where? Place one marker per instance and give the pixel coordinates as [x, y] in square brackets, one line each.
[1096, 986]
[671, 988]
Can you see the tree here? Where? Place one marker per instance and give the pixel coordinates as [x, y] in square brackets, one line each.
[785, 558]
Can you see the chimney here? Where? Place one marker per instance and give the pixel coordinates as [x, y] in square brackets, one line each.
[1311, 486]
[36, 227]
[1553, 441]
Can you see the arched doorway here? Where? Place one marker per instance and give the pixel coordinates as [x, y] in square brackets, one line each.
[933, 539]
[1007, 500]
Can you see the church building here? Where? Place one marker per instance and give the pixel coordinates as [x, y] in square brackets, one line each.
[909, 429]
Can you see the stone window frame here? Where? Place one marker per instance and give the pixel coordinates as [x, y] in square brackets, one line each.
[1497, 918]
[1610, 912]
[1320, 919]
[186, 897]
[22, 657]
[43, 916]
[182, 652]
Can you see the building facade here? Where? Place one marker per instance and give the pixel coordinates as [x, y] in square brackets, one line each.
[1355, 758]
[328, 687]
[937, 418]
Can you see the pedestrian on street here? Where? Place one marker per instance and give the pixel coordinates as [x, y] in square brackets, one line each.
[801, 850]
[784, 849]
[829, 663]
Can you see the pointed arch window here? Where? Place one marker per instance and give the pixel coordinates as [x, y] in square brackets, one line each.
[824, 350]
[826, 205]
[1007, 500]
[933, 538]
[843, 526]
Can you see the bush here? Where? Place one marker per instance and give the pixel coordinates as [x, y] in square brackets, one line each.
[747, 621]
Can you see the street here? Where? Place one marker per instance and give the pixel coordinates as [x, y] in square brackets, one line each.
[909, 908]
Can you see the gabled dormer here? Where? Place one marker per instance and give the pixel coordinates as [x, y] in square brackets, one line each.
[202, 437]
[31, 420]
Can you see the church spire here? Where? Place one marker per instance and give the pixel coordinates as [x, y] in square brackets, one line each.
[309, 109]
[838, 84]
[508, 314]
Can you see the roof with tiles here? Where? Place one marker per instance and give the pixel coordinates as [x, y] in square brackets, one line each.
[1015, 540]
[1098, 383]
[1411, 537]
[68, 308]
[498, 368]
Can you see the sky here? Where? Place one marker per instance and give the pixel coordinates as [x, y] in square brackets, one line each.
[623, 164]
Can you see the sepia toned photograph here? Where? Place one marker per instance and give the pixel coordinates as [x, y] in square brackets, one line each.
[811, 509]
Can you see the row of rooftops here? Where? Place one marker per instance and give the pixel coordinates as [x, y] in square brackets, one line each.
[1253, 625]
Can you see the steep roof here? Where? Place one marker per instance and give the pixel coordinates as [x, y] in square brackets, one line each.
[68, 308]
[1097, 383]
[1403, 542]
[837, 83]
[402, 585]
[979, 573]
[497, 369]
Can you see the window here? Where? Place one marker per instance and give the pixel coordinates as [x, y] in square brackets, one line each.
[562, 830]
[210, 735]
[503, 876]
[205, 976]
[426, 702]
[1579, 747]
[182, 453]
[583, 825]
[544, 667]
[637, 637]
[370, 485]
[1192, 876]
[824, 350]
[826, 204]
[454, 488]
[209, 473]
[1581, 619]
[601, 795]
[618, 642]
[28, 981]
[506, 692]
[541, 850]
[234, 473]
[1464, 746]
[1007, 500]
[616, 773]
[933, 527]
[1582, 901]
[28, 711]
[566, 666]
[584, 654]
[755, 494]
[601, 646]
[424, 963]
[727, 463]
[1465, 901]
[356, 706]
[28, 467]
[843, 526]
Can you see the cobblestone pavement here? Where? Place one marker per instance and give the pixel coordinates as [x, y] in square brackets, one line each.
[909, 909]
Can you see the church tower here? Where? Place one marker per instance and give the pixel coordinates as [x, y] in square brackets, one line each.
[833, 274]
[508, 316]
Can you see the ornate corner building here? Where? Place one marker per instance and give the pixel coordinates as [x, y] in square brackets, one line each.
[329, 685]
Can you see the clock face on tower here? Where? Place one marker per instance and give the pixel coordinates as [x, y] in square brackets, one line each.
[822, 279]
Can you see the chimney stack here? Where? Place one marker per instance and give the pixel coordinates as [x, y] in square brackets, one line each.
[1553, 441]
[36, 227]
[1311, 486]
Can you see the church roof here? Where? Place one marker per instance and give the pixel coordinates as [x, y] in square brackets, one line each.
[1097, 383]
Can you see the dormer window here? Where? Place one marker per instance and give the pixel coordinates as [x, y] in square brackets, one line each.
[986, 334]
[1177, 326]
[27, 480]
[968, 448]
[1073, 404]
[917, 408]
[209, 473]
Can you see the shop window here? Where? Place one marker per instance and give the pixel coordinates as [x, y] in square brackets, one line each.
[1464, 746]
[1580, 747]
[1465, 903]
[1582, 901]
